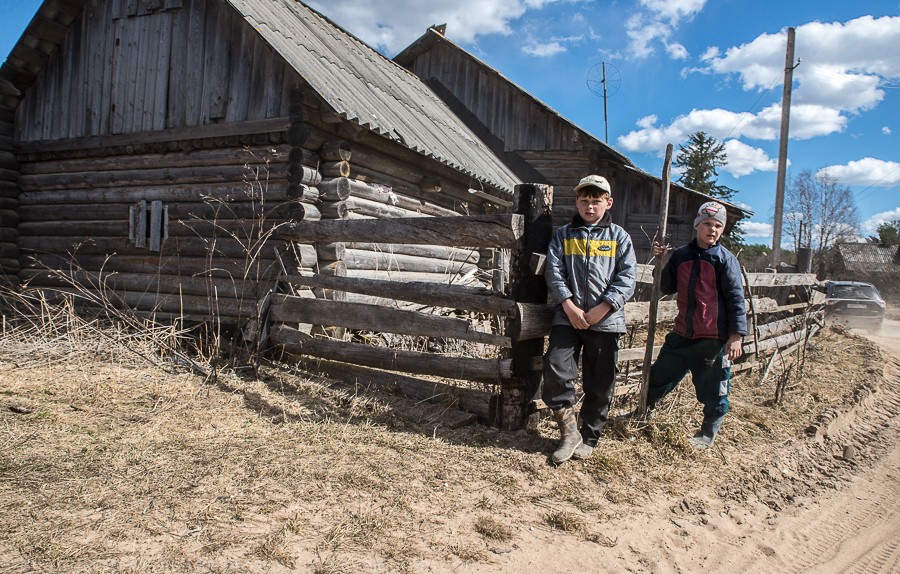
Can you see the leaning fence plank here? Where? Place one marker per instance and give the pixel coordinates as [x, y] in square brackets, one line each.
[654, 294]
[491, 371]
[290, 309]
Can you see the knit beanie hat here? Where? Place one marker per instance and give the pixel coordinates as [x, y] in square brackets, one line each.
[710, 210]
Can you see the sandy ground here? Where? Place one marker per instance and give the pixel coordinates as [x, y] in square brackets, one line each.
[852, 526]
[105, 467]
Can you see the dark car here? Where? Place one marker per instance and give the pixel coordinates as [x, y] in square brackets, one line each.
[853, 303]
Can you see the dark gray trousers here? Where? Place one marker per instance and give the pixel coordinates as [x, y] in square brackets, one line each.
[598, 353]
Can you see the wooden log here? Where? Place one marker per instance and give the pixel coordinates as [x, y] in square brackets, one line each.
[475, 401]
[384, 275]
[9, 251]
[146, 283]
[303, 193]
[251, 156]
[362, 259]
[331, 251]
[335, 150]
[9, 189]
[305, 157]
[430, 185]
[298, 134]
[490, 371]
[135, 177]
[221, 307]
[8, 218]
[460, 255]
[476, 299]
[11, 175]
[9, 234]
[335, 169]
[239, 228]
[533, 203]
[332, 269]
[377, 209]
[337, 189]
[209, 210]
[184, 266]
[385, 194]
[274, 191]
[333, 209]
[373, 318]
[472, 231]
[8, 161]
[226, 247]
[303, 175]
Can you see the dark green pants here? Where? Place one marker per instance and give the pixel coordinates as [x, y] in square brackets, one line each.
[709, 367]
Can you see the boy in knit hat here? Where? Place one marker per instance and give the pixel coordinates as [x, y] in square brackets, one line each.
[710, 325]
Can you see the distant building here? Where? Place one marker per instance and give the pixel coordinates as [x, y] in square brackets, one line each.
[870, 262]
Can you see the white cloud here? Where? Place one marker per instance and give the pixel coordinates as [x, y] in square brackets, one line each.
[756, 229]
[677, 51]
[744, 159]
[657, 22]
[886, 130]
[392, 25]
[841, 65]
[543, 49]
[870, 226]
[867, 171]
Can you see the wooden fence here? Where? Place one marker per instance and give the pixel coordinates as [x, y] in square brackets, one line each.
[506, 323]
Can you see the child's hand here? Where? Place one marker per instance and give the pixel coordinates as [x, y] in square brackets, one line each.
[576, 316]
[597, 314]
[733, 346]
[660, 249]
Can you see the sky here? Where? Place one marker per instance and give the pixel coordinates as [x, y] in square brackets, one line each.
[676, 67]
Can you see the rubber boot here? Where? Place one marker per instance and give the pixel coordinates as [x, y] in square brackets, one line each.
[570, 438]
[706, 436]
[583, 452]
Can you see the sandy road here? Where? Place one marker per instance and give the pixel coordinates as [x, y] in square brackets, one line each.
[855, 529]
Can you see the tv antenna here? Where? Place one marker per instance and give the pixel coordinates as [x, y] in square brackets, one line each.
[603, 80]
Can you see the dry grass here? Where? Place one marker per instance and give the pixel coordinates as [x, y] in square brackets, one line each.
[115, 459]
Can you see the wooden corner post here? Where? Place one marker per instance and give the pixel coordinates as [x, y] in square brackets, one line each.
[654, 293]
[526, 285]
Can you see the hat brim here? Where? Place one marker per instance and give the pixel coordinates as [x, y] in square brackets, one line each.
[581, 186]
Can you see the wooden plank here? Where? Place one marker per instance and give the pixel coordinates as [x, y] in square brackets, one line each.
[475, 299]
[471, 231]
[288, 309]
[484, 370]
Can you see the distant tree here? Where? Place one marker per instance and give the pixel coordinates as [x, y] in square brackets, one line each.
[888, 233]
[819, 212]
[698, 161]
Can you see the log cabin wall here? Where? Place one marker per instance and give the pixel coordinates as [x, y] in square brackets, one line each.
[9, 204]
[189, 143]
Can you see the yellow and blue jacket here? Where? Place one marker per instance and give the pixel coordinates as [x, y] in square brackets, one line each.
[591, 265]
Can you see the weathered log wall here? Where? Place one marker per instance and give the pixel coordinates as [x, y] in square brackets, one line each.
[9, 204]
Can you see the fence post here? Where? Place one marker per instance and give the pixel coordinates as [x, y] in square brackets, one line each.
[526, 285]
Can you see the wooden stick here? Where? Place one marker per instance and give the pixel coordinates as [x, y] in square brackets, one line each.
[654, 294]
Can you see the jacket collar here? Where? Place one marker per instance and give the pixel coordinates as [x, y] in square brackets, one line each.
[605, 221]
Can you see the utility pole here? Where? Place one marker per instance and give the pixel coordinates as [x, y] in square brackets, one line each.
[782, 148]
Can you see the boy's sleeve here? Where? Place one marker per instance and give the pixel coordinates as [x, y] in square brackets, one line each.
[668, 277]
[622, 286]
[732, 286]
[555, 272]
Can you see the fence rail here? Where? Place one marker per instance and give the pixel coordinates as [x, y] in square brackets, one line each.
[507, 323]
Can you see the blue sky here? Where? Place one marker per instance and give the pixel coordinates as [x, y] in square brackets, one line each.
[684, 66]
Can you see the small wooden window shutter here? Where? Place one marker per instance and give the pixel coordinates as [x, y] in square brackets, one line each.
[157, 225]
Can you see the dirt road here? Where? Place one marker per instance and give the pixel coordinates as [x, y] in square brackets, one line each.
[857, 527]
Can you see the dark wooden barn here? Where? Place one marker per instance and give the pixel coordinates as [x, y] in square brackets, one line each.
[541, 146]
[155, 148]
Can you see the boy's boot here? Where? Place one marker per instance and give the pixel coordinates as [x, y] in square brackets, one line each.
[706, 436]
[570, 438]
[583, 452]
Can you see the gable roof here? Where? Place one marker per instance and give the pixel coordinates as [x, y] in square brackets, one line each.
[868, 257]
[360, 84]
[433, 38]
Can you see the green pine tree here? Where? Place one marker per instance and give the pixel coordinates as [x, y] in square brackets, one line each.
[698, 161]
